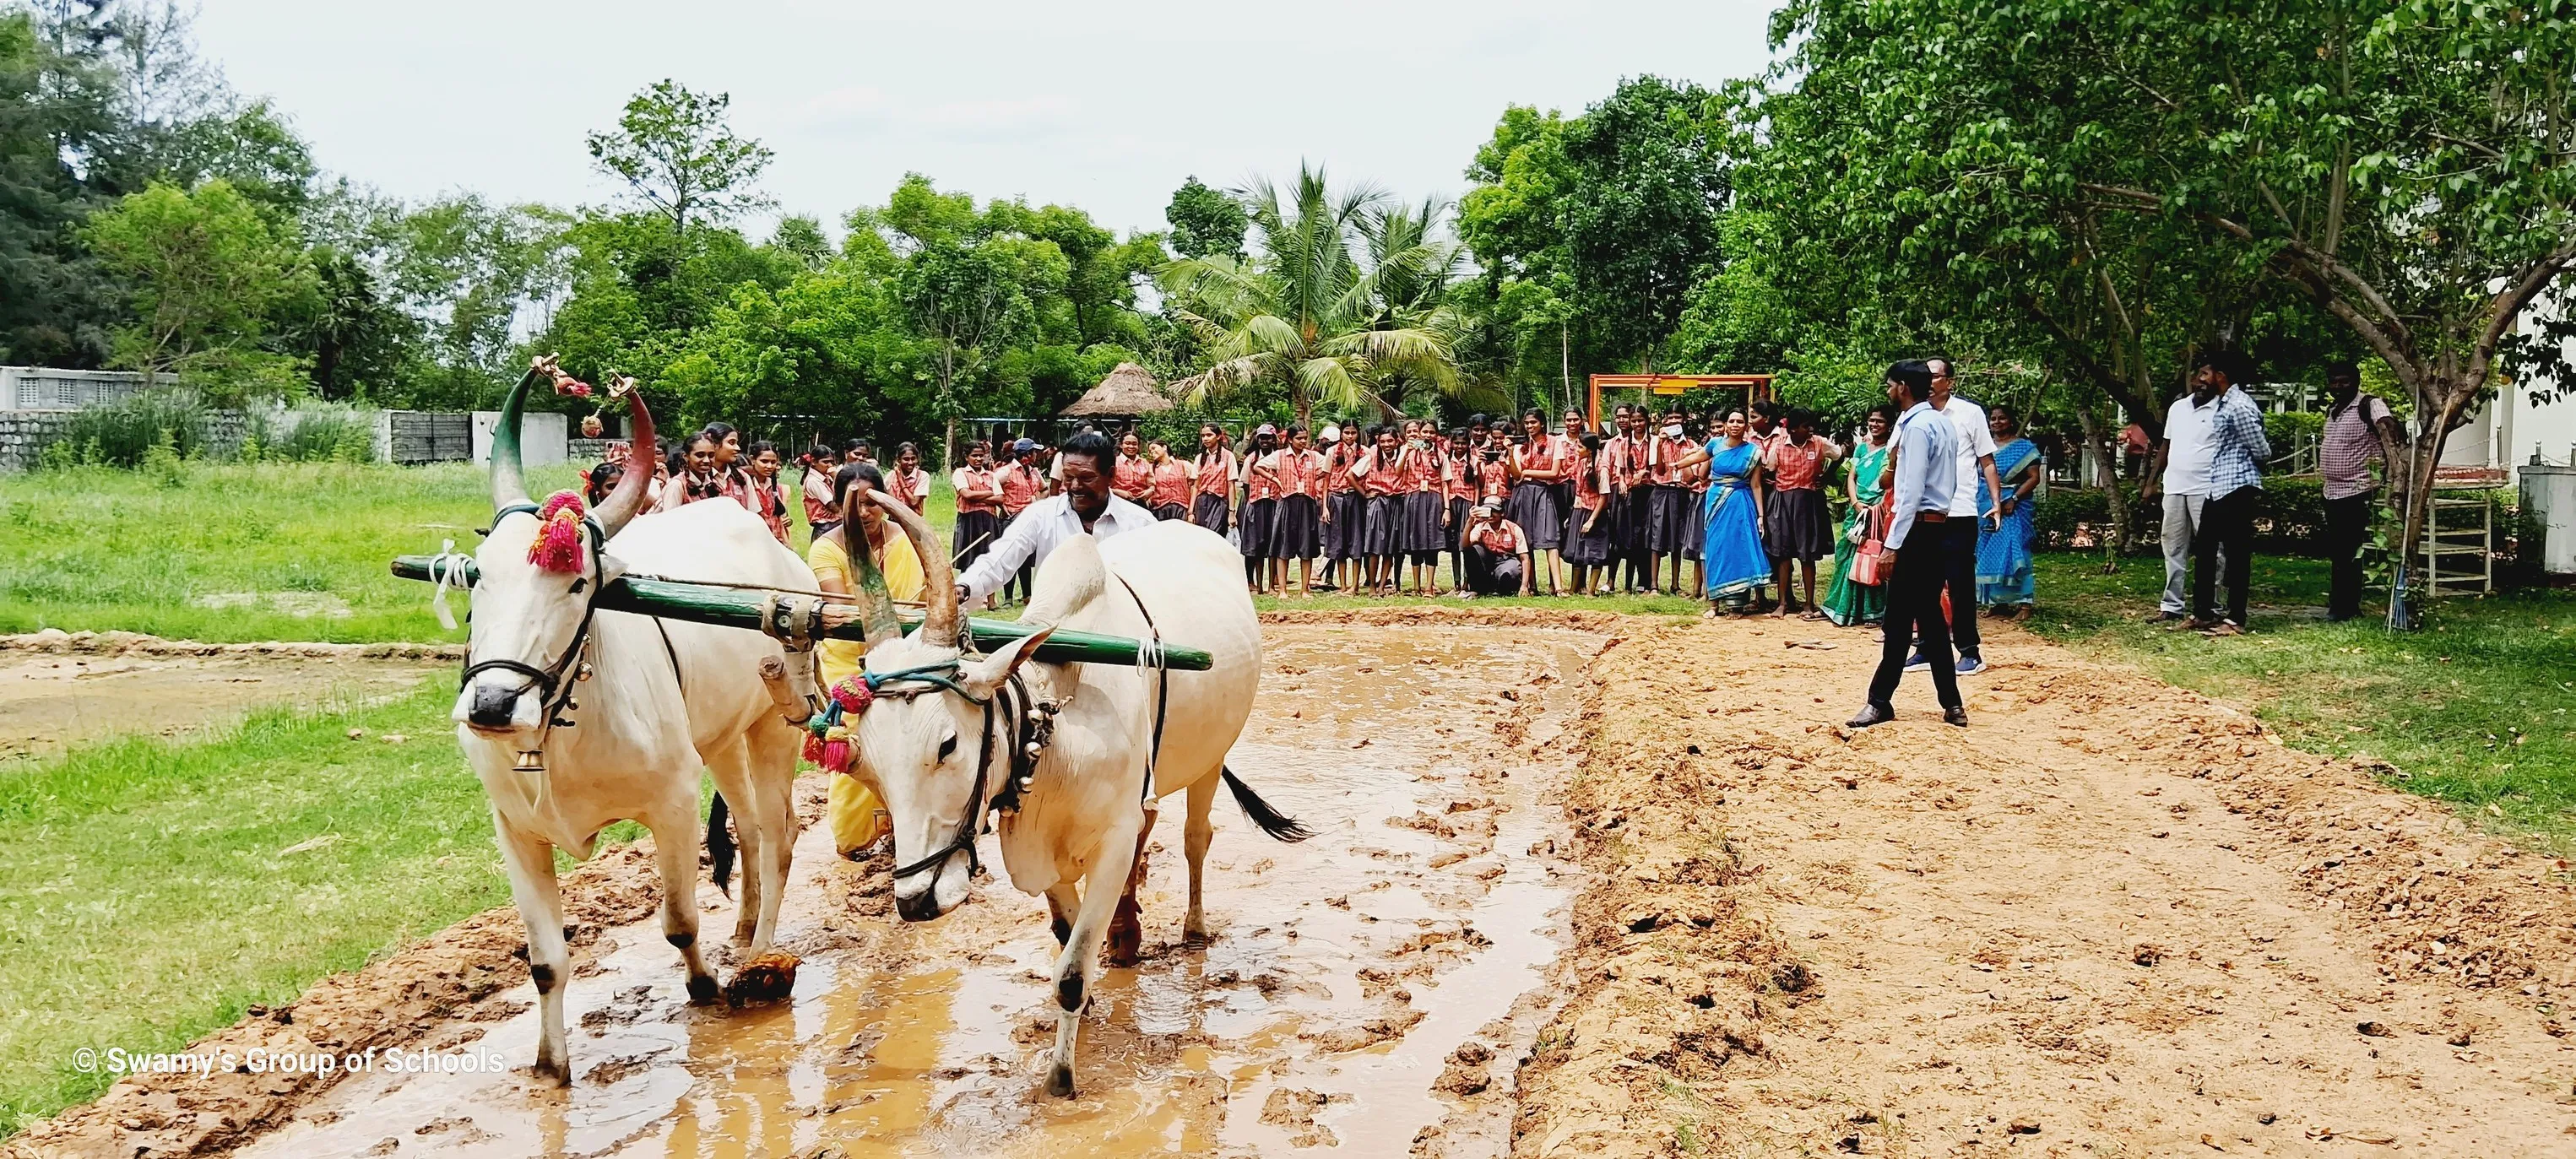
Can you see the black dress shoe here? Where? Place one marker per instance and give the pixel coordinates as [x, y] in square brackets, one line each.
[1955, 714]
[1871, 714]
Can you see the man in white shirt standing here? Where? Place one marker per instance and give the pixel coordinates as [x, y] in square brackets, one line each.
[2180, 473]
[1975, 451]
[1085, 507]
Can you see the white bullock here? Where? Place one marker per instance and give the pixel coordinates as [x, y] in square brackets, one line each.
[939, 750]
[576, 718]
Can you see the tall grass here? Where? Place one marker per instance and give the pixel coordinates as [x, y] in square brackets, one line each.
[125, 433]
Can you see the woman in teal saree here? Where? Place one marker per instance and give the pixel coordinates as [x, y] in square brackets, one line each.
[1848, 603]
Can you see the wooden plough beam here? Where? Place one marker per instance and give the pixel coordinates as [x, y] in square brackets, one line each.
[736, 608]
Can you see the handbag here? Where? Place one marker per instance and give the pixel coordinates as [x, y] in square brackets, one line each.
[1869, 560]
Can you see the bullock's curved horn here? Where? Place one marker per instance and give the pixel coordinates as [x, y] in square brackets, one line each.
[508, 488]
[876, 605]
[939, 577]
[627, 500]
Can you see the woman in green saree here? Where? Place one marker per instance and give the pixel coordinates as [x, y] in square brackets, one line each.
[1848, 603]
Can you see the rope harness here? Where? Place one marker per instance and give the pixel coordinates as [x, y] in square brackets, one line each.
[1028, 725]
[554, 692]
[1027, 729]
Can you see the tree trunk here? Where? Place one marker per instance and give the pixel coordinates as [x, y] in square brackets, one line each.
[948, 447]
[2426, 450]
[2097, 439]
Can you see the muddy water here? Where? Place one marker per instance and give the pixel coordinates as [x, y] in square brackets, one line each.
[1422, 924]
[49, 701]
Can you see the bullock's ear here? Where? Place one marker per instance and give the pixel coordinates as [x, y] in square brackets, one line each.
[987, 674]
[610, 568]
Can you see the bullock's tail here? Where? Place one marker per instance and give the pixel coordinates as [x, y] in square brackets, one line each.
[1278, 825]
[720, 845]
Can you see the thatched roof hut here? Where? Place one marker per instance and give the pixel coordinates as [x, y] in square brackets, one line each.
[1128, 392]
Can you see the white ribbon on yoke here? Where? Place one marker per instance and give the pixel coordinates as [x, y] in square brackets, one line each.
[446, 569]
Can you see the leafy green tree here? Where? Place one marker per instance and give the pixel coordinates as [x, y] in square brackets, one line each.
[206, 271]
[801, 238]
[55, 304]
[1647, 180]
[361, 340]
[675, 152]
[1205, 222]
[1304, 315]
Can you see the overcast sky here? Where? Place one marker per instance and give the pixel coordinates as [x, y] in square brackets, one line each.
[1102, 106]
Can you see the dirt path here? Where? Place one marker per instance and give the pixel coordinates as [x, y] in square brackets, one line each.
[49, 701]
[2110, 919]
[1372, 988]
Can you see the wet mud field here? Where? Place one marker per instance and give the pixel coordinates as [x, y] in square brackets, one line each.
[1581, 885]
[49, 701]
[1372, 987]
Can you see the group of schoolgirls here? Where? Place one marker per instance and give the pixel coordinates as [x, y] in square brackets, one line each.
[1379, 505]
[710, 464]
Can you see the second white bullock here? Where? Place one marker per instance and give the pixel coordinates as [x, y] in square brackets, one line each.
[947, 734]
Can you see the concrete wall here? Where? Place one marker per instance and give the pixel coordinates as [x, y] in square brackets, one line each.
[542, 438]
[42, 388]
[24, 433]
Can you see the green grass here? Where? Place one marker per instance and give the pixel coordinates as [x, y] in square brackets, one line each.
[145, 899]
[2477, 709]
[231, 553]
[226, 553]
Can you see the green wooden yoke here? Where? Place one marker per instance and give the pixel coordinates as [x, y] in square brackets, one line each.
[738, 608]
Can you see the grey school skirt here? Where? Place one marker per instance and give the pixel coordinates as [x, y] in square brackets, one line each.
[1533, 505]
[1298, 533]
[1260, 523]
[1209, 511]
[1345, 535]
[1587, 547]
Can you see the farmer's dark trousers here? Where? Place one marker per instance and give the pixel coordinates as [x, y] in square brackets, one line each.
[1959, 571]
[2347, 528]
[1914, 605]
[2226, 527]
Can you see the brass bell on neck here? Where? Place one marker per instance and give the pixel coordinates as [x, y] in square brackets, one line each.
[530, 761]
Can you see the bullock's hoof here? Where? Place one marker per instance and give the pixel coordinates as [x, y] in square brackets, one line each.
[1060, 1081]
[766, 978]
[703, 990]
[1126, 946]
[552, 1073]
[1062, 929]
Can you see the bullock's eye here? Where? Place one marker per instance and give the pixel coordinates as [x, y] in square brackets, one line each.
[948, 748]
[579, 582]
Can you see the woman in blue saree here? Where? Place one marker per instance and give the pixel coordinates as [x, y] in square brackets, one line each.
[1731, 548]
[2006, 583]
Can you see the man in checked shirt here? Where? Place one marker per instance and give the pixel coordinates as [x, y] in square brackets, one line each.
[2238, 450]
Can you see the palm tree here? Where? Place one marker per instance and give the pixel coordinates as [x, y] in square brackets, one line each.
[1305, 313]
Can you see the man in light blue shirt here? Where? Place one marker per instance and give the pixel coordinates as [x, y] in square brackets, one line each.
[1927, 478]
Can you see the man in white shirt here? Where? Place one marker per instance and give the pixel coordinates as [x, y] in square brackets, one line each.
[2180, 473]
[1085, 507]
[1975, 453]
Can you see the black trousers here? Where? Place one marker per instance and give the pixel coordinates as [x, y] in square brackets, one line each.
[2226, 525]
[1914, 607]
[2347, 528]
[1959, 571]
[1491, 573]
